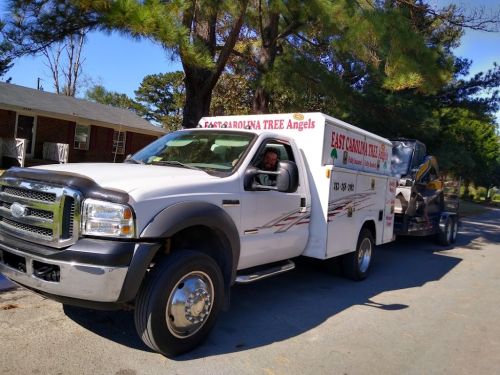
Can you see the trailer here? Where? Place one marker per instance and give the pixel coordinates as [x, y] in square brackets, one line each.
[425, 203]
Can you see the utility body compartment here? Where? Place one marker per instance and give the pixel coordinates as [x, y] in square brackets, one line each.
[348, 182]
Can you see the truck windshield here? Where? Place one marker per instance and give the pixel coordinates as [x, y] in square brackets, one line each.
[401, 158]
[216, 152]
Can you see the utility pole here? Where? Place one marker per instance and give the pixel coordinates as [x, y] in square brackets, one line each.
[38, 85]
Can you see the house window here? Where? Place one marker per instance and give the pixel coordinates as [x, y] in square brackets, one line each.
[82, 137]
[119, 142]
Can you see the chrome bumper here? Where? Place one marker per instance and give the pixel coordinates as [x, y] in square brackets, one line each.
[80, 281]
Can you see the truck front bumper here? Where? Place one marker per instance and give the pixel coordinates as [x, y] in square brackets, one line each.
[91, 270]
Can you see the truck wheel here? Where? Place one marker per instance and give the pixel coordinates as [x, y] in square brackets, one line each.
[178, 302]
[445, 235]
[355, 265]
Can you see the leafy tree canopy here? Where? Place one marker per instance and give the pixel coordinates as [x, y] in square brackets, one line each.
[5, 53]
[162, 96]
[99, 94]
[387, 66]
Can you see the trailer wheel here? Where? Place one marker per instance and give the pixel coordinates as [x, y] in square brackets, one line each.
[178, 302]
[445, 235]
[454, 230]
[356, 265]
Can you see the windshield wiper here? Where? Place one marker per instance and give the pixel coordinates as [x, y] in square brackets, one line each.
[175, 163]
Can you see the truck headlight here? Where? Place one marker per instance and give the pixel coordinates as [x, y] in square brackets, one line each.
[101, 218]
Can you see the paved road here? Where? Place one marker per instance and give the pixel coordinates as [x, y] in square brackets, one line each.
[423, 310]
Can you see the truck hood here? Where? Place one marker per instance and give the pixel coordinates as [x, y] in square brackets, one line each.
[132, 177]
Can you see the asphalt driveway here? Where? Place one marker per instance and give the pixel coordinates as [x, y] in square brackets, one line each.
[424, 309]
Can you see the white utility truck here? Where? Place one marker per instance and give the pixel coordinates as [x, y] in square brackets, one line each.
[171, 229]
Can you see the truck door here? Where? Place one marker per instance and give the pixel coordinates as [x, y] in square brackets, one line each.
[273, 224]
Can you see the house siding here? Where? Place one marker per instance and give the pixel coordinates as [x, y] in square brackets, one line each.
[7, 123]
[53, 130]
[136, 141]
[56, 130]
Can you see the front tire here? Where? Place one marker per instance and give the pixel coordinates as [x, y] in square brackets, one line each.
[356, 265]
[178, 303]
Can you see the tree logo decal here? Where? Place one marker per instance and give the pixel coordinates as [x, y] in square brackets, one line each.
[333, 154]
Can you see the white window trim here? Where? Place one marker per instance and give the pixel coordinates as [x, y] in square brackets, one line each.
[86, 145]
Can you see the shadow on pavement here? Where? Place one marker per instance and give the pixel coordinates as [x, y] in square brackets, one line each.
[287, 306]
[283, 307]
[117, 326]
[486, 226]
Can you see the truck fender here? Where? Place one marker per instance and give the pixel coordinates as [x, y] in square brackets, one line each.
[183, 215]
[370, 224]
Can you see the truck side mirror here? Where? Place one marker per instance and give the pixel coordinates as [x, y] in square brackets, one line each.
[287, 178]
[249, 178]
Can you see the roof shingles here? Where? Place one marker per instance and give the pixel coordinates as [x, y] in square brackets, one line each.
[66, 106]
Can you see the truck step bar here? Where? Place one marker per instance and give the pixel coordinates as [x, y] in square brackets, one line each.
[259, 273]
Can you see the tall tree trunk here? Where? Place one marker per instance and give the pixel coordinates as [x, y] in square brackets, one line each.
[198, 97]
[261, 101]
[466, 189]
[201, 81]
[265, 60]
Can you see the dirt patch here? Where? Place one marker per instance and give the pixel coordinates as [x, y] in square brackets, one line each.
[9, 306]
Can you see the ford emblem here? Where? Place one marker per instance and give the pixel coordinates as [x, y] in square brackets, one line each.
[18, 210]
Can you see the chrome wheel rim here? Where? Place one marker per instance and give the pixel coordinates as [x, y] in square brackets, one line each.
[189, 304]
[364, 254]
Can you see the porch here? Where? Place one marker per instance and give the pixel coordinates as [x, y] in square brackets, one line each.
[13, 152]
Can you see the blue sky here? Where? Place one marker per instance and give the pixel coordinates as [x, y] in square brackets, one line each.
[120, 63]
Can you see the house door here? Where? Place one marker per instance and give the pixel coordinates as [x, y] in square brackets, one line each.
[26, 129]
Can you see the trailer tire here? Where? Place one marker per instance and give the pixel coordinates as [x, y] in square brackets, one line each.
[178, 303]
[355, 265]
[445, 236]
[454, 229]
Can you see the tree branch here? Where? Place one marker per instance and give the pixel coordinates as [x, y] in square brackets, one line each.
[229, 45]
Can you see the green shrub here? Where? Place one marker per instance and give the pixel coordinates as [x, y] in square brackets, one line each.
[481, 193]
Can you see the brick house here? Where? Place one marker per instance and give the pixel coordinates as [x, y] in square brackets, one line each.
[93, 132]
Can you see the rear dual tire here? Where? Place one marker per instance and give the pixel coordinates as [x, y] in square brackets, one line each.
[356, 265]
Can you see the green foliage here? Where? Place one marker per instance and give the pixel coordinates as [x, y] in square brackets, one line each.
[162, 97]
[386, 66]
[5, 53]
[99, 94]
[469, 145]
[201, 33]
[233, 95]
[481, 193]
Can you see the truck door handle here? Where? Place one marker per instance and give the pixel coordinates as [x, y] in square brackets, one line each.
[303, 207]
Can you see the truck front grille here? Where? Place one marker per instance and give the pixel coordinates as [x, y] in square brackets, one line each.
[39, 212]
[28, 229]
[30, 194]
